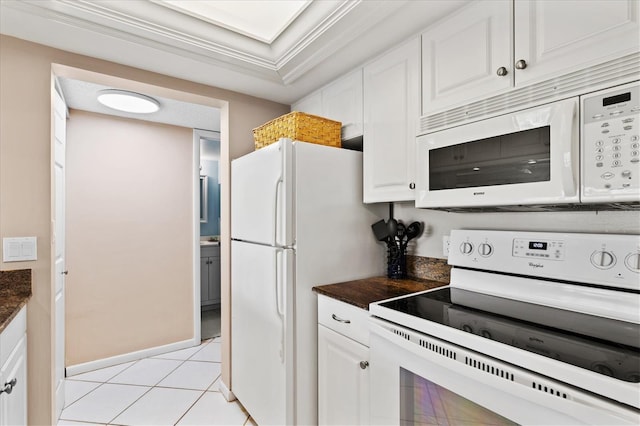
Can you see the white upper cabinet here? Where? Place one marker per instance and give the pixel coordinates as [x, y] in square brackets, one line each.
[391, 111]
[491, 47]
[311, 104]
[467, 55]
[340, 101]
[557, 37]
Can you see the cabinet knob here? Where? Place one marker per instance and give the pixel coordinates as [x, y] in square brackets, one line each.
[364, 364]
[412, 185]
[8, 387]
[502, 71]
[64, 273]
[521, 64]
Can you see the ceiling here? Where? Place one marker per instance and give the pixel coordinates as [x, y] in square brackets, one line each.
[276, 50]
[82, 95]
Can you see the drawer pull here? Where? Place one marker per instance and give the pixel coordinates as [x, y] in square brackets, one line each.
[336, 318]
[364, 364]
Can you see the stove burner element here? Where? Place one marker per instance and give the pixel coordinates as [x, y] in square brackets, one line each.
[575, 346]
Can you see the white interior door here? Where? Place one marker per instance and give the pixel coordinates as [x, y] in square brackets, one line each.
[59, 131]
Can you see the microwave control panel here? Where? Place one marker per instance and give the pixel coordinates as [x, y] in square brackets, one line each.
[610, 145]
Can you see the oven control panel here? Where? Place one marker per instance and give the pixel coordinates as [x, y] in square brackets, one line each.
[604, 259]
[610, 145]
[538, 249]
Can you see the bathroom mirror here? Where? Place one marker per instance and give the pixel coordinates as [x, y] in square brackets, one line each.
[203, 198]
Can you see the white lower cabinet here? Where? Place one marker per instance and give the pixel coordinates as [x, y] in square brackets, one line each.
[209, 275]
[343, 364]
[13, 372]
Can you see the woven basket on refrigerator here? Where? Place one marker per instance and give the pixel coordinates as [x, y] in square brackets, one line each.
[301, 127]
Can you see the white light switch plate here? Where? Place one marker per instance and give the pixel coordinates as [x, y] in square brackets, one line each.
[19, 249]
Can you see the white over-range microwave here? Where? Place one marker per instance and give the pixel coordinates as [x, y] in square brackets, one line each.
[581, 150]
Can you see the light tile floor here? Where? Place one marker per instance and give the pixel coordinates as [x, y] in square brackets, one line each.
[176, 388]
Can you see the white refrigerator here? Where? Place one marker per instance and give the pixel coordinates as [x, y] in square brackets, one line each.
[297, 221]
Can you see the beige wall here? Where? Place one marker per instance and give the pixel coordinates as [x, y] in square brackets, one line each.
[129, 236]
[25, 177]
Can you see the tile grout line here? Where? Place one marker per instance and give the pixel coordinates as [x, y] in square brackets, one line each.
[182, 362]
[190, 407]
[150, 388]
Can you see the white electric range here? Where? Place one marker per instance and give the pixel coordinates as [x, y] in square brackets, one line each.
[534, 328]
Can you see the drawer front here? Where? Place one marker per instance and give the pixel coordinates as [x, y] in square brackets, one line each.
[209, 251]
[12, 334]
[343, 318]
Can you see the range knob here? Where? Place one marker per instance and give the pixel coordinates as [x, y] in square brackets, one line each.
[466, 248]
[633, 262]
[633, 377]
[603, 369]
[485, 249]
[603, 259]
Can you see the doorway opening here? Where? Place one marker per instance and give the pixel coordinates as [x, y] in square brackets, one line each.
[210, 289]
[68, 80]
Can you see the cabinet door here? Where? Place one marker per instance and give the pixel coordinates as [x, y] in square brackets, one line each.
[556, 37]
[343, 385]
[214, 279]
[204, 280]
[461, 56]
[13, 406]
[311, 104]
[391, 111]
[342, 101]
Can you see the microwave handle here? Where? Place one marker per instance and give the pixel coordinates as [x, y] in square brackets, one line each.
[569, 185]
[570, 148]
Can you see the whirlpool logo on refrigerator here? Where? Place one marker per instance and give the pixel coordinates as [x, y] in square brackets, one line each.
[536, 265]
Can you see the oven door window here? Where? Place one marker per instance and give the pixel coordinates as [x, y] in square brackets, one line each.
[520, 157]
[423, 402]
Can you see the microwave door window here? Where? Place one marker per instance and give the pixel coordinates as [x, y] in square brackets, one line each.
[520, 157]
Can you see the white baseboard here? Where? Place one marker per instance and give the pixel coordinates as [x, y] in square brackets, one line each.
[73, 370]
[228, 395]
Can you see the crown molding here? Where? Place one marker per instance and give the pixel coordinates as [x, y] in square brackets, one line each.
[326, 40]
[162, 27]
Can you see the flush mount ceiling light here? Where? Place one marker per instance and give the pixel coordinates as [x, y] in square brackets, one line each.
[123, 100]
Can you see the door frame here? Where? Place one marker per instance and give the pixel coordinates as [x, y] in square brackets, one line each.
[197, 135]
[60, 70]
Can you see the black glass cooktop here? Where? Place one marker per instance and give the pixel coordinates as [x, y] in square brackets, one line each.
[606, 346]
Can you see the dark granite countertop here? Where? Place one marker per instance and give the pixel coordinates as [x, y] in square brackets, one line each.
[15, 291]
[362, 292]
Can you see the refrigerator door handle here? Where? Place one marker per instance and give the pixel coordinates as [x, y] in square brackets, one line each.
[275, 211]
[279, 302]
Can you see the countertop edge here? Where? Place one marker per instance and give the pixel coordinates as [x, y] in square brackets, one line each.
[15, 293]
[15, 312]
[362, 292]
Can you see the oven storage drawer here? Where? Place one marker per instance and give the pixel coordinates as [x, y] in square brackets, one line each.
[346, 319]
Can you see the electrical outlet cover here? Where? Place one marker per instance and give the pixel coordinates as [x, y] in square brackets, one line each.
[445, 245]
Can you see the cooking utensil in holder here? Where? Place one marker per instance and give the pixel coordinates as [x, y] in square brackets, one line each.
[397, 236]
[396, 261]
